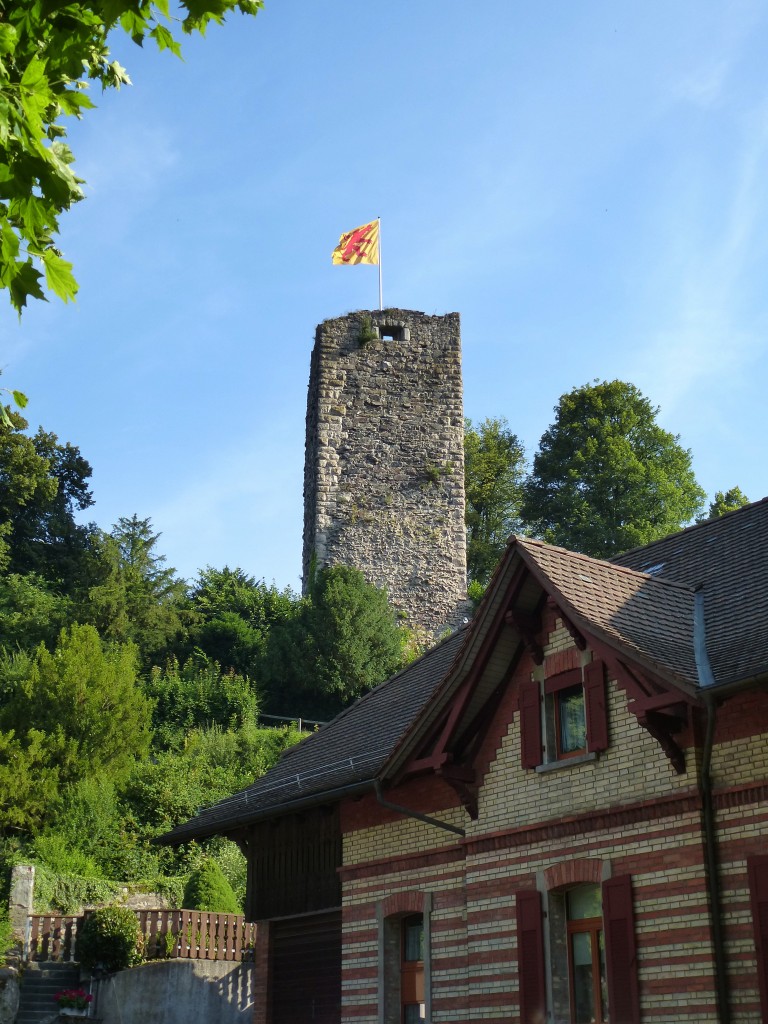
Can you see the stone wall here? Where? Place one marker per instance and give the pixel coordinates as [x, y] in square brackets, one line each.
[384, 464]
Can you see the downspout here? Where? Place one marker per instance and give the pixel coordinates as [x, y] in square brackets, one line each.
[706, 680]
[409, 812]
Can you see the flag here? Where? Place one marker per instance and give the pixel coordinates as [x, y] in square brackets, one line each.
[358, 246]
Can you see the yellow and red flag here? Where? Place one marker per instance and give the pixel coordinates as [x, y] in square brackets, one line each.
[358, 246]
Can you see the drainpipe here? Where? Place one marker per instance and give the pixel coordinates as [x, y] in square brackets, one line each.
[415, 814]
[707, 679]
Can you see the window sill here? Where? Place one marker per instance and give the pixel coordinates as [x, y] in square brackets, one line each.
[566, 762]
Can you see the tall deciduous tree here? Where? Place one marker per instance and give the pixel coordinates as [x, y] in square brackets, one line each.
[726, 501]
[606, 476]
[494, 471]
[43, 484]
[48, 52]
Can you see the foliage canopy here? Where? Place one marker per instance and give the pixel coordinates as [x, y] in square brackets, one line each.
[48, 52]
[208, 889]
[606, 476]
[494, 472]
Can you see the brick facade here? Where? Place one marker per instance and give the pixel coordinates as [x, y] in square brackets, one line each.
[624, 813]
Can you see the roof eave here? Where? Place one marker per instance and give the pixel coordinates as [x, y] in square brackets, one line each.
[225, 828]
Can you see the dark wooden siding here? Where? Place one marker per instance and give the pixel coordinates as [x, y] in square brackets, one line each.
[293, 865]
[306, 969]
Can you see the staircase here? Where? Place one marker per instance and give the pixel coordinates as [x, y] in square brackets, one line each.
[39, 984]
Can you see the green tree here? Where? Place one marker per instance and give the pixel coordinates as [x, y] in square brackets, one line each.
[208, 889]
[606, 476]
[29, 781]
[725, 501]
[31, 612]
[232, 615]
[140, 599]
[43, 484]
[342, 640]
[494, 472]
[48, 52]
[84, 698]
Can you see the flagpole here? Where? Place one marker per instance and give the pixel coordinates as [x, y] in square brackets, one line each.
[381, 301]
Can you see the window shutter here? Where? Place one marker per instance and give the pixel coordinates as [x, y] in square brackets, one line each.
[620, 951]
[530, 955]
[757, 870]
[530, 723]
[596, 710]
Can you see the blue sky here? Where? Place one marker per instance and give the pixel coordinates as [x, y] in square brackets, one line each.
[587, 184]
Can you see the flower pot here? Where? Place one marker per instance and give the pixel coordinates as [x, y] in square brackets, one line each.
[73, 1011]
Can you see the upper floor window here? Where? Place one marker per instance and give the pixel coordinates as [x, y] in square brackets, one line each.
[566, 721]
[563, 717]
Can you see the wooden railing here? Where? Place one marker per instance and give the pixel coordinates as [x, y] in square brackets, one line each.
[165, 935]
[50, 937]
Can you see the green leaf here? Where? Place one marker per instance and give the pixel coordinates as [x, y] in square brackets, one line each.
[20, 399]
[24, 283]
[8, 37]
[58, 275]
[165, 40]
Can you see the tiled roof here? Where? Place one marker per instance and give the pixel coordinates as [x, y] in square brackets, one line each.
[651, 617]
[728, 559]
[347, 752]
[642, 601]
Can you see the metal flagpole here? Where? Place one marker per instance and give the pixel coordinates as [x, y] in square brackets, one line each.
[381, 301]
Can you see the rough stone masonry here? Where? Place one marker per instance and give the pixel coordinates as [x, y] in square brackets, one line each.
[384, 462]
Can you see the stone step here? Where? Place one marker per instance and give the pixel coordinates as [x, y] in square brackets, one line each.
[39, 984]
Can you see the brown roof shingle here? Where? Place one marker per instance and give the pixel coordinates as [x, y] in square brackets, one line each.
[650, 617]
[728, 559]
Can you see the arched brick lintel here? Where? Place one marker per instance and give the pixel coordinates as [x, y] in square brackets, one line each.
[403, 903]
[574, 872]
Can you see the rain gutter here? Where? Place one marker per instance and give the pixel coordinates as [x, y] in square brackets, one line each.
[706, 682]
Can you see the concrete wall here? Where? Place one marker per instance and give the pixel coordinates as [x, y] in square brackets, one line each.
[175, 992]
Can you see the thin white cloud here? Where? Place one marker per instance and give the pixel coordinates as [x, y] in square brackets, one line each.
[710, 334]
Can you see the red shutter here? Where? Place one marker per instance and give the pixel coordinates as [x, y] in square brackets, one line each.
[620, 951]
[530, 723]
[594, 699]
[757, 870]
[530, 955]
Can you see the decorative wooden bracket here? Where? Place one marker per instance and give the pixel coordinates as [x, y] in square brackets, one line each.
[464, 783]
[657, 707]
[527, 626]
[661, 727]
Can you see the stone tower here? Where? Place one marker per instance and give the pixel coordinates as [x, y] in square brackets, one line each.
[384, 463]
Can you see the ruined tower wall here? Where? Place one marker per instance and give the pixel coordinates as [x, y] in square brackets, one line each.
[384, 464]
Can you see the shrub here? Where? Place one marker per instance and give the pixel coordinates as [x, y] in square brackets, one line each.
[208, 889]
[109, 937]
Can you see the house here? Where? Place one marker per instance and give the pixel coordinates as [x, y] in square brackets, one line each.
[559, 813]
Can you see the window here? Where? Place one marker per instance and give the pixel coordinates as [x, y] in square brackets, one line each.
[564, 717]
[412, 969]
[566, 720]
[404, 994]
[586, 955]
[587, 930]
